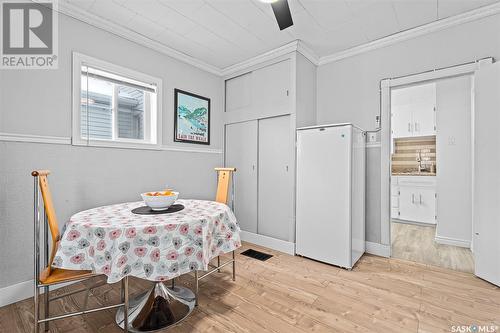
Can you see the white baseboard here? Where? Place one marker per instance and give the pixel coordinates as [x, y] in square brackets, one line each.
[16, 292]
[452, 241]
[22, 290]
[378, 249]
[272, 243]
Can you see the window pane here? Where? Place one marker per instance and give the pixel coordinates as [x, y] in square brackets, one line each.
[130, 113]
[96, 109]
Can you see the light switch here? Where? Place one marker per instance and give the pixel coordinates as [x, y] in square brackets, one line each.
[451, 141]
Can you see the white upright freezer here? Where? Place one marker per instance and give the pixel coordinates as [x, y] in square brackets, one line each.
[330, 207]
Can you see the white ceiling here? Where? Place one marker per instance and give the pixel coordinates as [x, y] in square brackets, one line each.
[226, 32]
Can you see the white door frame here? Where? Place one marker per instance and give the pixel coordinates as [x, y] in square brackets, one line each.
[385, 133]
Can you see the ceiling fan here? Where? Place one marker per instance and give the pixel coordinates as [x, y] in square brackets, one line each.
[281, 12]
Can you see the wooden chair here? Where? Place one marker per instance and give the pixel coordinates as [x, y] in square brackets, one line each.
[224, 176]
[53, 276]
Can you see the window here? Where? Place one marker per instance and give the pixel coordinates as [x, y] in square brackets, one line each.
[114, 106]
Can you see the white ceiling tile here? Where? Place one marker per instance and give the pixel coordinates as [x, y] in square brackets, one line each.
[448, 8]
[328, 14]
[361, 5]
[253, 19]
[226, 27]
[145, 26]
[112, 11]
[412, 13]
[83, 4]
[185, 7]
[213, 42]
[376, 19]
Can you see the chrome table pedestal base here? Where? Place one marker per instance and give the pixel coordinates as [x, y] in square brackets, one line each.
[158, 308]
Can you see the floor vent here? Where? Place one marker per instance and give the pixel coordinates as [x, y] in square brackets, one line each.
[256, 255]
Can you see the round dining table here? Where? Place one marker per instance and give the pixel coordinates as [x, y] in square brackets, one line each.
[115, 241]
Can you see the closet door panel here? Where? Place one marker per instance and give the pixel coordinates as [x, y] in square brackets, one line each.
[239, 92]
[271, 88]
[275, 178]
[241, 153]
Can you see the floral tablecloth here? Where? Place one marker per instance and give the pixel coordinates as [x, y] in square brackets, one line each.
[116, 242]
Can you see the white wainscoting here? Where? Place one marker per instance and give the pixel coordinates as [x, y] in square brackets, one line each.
[452, 241]
[378, 249]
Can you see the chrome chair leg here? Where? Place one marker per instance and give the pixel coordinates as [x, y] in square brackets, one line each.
[36, 311]
[46, 311]
[173, 283]
[125, 303]
[196, 287]
[234, 266]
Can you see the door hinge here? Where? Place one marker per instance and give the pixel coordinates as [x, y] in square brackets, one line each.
[287, 92]
[399, 213]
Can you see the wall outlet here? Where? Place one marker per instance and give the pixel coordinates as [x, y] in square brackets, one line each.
[372, 136]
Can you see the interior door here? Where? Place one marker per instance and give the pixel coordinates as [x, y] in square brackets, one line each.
[241, 153]
[275, 178]
[486, 180]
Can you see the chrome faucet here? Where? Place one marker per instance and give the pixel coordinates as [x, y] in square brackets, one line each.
[419, 160]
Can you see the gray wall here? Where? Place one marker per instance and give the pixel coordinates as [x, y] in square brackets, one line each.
[38, 102]
[348, 90]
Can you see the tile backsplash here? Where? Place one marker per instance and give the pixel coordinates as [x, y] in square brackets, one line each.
[408, 150]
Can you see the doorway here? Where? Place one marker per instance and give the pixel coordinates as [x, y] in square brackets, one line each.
[430, 164]
[428, 156]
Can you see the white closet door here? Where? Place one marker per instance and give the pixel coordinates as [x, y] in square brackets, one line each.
[486, 180]
[239, 92]
[276, 178]
[241, 153]
[271, 88]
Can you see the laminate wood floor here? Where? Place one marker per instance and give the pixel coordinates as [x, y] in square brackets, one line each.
[292, 294]
[416, 243]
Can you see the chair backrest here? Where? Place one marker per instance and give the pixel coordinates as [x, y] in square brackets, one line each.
[223, 178]
[49, 210]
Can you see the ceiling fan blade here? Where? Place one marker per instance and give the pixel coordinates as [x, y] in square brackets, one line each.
[282, 12]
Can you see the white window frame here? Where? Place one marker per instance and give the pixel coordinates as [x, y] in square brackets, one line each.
[80, 60]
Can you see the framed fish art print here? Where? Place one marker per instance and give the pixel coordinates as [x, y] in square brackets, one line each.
[192, 118]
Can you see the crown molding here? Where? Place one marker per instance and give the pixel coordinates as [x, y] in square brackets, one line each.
[307, 52]
[442, 24]
[266, 56]
[294, 46]
[98, 22]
